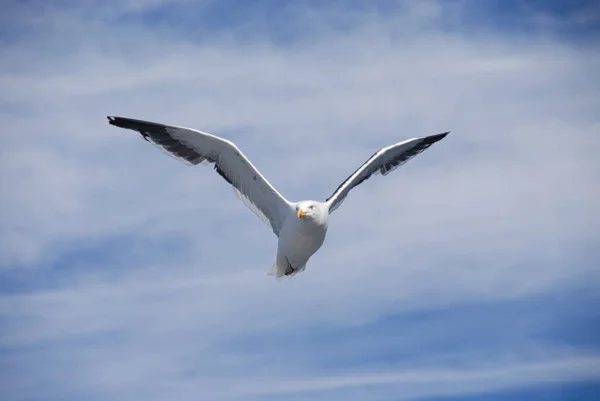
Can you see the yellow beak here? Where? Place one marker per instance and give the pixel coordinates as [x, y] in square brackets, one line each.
[301, 213]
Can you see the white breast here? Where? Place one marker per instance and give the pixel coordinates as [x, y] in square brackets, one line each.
[299, 239]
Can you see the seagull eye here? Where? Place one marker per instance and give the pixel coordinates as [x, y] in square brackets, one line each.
[311, 207]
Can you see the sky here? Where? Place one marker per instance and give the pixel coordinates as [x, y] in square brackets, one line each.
[470, 273]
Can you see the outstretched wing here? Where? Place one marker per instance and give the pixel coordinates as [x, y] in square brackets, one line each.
[383, 161]
[196, 147]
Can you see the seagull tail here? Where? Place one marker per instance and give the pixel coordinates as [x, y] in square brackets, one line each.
[276, 271]
[285, 271]
[273, 270]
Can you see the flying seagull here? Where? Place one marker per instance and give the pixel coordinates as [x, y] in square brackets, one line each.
[299, 226]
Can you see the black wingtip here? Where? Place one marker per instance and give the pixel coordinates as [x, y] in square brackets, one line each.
[126, 123]
[112, 120]
[438, 137]
[123, 122]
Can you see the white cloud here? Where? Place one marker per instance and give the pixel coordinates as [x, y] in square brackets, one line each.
[418, 384]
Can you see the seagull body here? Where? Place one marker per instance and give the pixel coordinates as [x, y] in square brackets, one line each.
[301, 227]
[302, 234]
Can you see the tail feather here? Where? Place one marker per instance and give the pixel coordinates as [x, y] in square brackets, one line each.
[276, 271]
[273, 270]
[284, 271]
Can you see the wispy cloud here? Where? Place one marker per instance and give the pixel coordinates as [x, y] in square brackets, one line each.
[118, 260]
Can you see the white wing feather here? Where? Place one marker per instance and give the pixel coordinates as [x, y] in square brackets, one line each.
[197, 147]
[383, 161]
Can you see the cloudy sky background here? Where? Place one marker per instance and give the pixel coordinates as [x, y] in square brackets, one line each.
[471, 273]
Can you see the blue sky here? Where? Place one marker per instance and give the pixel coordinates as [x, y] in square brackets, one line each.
[471, 273]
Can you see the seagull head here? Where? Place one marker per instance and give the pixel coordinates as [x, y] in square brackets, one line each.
[311, 210]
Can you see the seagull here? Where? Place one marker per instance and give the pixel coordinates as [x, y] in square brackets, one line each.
[299, 226]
